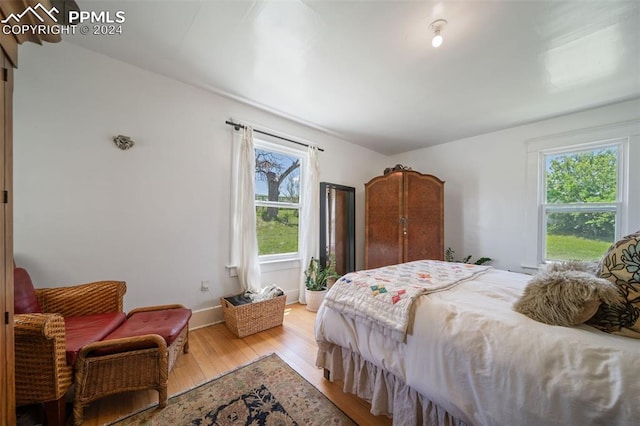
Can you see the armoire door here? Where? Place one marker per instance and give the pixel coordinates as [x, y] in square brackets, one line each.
[383, 221]
[424, 212]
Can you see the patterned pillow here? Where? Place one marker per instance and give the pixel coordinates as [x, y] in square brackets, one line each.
[621, 266]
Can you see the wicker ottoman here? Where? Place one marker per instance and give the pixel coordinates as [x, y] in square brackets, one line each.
[137, 355]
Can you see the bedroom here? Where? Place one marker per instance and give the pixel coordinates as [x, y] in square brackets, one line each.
[73, 189]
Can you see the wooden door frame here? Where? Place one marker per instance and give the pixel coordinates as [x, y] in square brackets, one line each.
[7, 379]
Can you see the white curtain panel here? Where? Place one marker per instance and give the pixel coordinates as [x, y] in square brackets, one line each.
[308, 239]
[245, 241]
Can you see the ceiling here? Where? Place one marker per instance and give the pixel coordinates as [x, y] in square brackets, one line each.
[366, 71]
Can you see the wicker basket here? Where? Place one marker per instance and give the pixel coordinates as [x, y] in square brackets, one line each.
[251, 318]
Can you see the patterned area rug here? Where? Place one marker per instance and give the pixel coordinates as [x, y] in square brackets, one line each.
[265, 392]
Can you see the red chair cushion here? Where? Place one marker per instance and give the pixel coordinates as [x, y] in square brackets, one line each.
[82, 330]
[24, 295]
[168, 323]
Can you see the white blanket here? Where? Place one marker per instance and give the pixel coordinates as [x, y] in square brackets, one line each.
[470, 353]
[384, 296]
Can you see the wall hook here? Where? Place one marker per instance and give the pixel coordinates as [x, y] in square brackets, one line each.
[123, 142]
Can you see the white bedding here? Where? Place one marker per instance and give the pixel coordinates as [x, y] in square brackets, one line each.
[471, 354]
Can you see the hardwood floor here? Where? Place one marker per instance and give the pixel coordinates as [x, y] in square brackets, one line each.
[214, 350]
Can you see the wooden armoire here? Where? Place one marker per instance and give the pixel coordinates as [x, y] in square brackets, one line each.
[404, 218]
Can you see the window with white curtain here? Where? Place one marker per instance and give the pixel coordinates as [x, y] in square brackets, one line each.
[277, 200]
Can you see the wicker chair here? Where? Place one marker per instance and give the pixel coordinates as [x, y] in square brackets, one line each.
[42, 374]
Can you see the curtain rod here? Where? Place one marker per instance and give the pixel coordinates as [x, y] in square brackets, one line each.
[241, 126]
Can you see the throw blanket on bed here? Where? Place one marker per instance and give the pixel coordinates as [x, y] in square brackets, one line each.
[383, 296]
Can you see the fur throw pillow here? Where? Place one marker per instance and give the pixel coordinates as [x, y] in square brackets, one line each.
[565, 297]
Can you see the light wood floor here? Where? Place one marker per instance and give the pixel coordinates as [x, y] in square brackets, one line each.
[214, 350]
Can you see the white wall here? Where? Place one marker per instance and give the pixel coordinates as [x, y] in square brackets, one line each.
[485, 189]
[157, 215]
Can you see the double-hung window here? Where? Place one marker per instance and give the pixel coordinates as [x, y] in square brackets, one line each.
[581, 194]
[277, 200]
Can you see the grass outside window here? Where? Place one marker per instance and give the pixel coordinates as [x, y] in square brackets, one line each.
[568, 247]
[278, 235]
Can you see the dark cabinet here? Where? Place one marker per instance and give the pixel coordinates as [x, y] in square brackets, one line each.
[404, 218]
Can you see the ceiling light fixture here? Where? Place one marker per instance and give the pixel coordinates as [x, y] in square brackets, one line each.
[437, 27]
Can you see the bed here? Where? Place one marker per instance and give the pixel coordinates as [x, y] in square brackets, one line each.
[467, 358]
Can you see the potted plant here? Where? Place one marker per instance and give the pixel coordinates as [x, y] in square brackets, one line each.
[449, 256]
[332, 274]
[316, 279]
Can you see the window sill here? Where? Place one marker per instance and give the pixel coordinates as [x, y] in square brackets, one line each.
[270, 266]
[529, 267]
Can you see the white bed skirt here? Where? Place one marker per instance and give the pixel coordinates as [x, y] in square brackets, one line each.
[387, 394]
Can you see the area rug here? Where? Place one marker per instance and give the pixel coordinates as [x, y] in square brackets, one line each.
[265, 392]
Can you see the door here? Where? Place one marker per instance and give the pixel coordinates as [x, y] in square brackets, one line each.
[384, 220]
[338, 226]
[424, 210]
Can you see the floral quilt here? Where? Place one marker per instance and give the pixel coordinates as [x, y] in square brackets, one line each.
[383, 297]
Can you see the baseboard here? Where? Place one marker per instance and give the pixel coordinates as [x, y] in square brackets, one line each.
[205, 317]
[210, 316]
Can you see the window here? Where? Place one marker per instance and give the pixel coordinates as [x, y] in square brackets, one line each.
[550, 202]
[581, 200]
[277, 200]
